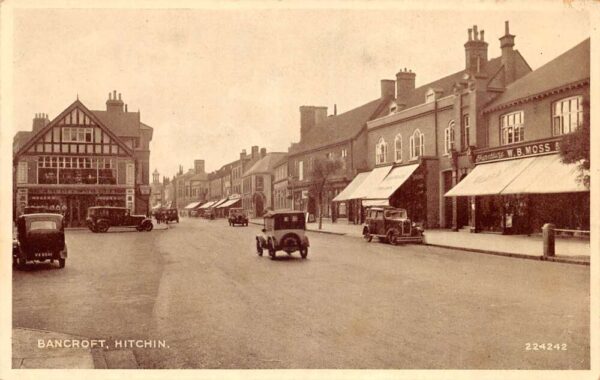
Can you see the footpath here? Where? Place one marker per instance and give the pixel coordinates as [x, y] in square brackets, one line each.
[568, 250]
[37, 349]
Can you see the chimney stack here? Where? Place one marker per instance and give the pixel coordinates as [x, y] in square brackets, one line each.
[405, 85]
[263, 152]
[475, 51]
[388, 88]
[243, 154]
[113, 104]
[40, 120]
[507, 43]
[254, 153]
[309, 117]
[198, 166]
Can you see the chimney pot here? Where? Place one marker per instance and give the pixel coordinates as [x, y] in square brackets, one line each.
[482, 32]
[114, 94]
[119, 96]
[475, 34]
[506, 27]
[470, 34]
[109, 95]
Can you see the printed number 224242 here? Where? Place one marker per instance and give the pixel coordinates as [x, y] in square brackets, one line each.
[545, 346]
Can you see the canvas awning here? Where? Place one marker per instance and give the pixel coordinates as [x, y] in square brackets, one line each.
[347, 193]
[372, 180]
[531, 175]
[388, 185]
[192, 205]
[216, 204]
[229, 203]
[157, 206]
[208, 204]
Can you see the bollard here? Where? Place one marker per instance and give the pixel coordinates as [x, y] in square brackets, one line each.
[548, 235]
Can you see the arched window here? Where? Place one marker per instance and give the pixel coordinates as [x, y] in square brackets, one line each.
[398, 148]
[380, 151]
[417, 144]
[449, 137]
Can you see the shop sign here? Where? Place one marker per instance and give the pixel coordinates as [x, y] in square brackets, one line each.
[507, 153]
[63, 191]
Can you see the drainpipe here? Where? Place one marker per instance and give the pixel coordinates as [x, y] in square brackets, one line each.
[435, 121]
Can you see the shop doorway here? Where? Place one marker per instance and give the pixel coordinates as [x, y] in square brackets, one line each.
[462, 209]
[77, 206]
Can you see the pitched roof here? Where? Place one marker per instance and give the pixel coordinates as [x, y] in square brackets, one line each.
[123, 124]
[446, 84]
[266, 164]
[570, 67]
[338, 128]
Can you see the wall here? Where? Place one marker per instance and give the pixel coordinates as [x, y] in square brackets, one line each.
[537, 116]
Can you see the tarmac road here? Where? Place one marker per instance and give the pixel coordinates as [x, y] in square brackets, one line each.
[201, 288]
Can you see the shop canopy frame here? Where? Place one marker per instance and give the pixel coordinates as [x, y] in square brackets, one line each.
[347, 193]
[531, 175]
[208, 204]
[229, 203]
[192, 205]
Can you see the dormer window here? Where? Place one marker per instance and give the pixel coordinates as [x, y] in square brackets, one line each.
[393, 107]
[430, 96]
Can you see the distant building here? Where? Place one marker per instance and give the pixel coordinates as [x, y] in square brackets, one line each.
[83, 158]
[257, 195]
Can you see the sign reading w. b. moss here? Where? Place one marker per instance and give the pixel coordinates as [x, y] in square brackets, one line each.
[519, 151]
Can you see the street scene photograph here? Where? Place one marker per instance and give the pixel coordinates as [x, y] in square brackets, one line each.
[269, 187]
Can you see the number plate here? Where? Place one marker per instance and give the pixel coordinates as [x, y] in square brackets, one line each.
[44, 254]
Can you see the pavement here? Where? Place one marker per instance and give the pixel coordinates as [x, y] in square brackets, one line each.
[200, 289]
[568, 250]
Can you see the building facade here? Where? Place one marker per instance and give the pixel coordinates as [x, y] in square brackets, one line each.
[340, 137]
[282, 196]
[257, 182]
[84, 158]
[519, 182]
[423, 142]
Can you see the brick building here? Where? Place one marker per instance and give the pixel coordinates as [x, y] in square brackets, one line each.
[519, 182]
[420, 147]
[83, 158]
[257, 196]
[339, 137]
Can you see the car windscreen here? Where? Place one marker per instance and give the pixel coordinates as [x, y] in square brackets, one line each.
[396, 214]
[42, 225]
[290, 222]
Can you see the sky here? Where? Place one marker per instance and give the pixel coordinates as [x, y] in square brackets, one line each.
[212, 82]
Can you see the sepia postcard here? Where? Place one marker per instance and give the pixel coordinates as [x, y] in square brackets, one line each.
[288, 189]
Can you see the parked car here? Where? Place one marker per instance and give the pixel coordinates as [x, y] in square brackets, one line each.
[101, 218]
[392, 225]
[41, 210]
[237, 216]
[40, 237]
[283, 231]
[170, 215]
[209, 214]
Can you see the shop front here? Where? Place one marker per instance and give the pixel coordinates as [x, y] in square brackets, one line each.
[72, 203]
[518, 190]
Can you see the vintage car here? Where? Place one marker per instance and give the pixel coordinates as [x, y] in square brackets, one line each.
[209, 214]
[237, 216]
[392, 225]
[101, 218]
[167, 215]
[40, 237]
[41, 210]
[283, 231]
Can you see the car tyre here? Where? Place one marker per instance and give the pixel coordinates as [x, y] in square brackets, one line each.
[259, 249]
[148, 226]
[102, 227]
[392, 238]
[61, 263]
[304, 252]
[271, 250]
[21, 263]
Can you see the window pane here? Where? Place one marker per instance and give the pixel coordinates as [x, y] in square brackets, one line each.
[98, 149]
[81, 148]
[73, 148]
[98, 135]
[90, 149]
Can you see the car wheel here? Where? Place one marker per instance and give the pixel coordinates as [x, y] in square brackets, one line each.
[21, 263]
[391, 237]
[259, 249]
[61, 263]
[102, 227]
[304, 252]
[148, 226]
[271, 250]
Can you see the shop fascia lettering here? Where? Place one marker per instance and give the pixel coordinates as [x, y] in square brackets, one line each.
[518, 152]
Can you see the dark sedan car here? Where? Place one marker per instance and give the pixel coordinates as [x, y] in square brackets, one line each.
[101, 218]
[40, 237]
